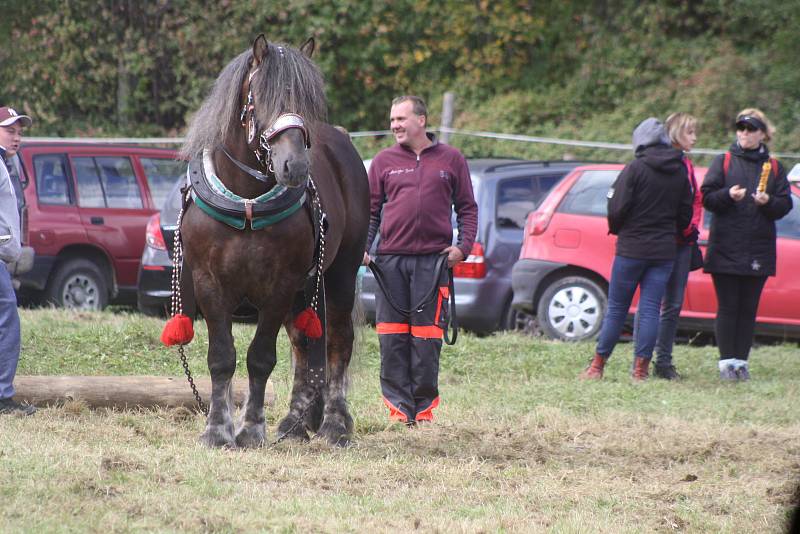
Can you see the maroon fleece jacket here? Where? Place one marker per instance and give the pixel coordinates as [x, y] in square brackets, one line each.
[411, 199]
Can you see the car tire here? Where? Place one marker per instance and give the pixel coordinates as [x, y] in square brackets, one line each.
[572, 309]
[154, 310]
[518, 321]
[78, 284]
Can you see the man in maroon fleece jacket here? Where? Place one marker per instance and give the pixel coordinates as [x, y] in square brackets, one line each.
[414, 186]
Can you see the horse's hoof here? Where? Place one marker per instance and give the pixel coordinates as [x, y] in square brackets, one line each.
[217, 438]
[250, 437]
[290, 428]
[335, 434]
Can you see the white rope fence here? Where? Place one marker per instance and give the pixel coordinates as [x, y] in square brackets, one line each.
[377, 133]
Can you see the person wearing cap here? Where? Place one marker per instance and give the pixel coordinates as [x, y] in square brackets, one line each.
[650, 199]
[747, 191]
[11, 125]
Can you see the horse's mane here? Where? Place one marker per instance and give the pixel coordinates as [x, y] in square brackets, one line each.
[285, 82]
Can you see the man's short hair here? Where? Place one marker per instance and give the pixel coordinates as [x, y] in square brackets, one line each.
[418, 105]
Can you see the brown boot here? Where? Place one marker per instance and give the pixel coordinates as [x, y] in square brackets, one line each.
[641, 369]
[595, 369]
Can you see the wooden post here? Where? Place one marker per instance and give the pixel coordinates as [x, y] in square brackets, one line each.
[447, 116]
[124, 391]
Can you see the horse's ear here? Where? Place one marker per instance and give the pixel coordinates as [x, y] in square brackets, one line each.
[260, 49]
[307, 48]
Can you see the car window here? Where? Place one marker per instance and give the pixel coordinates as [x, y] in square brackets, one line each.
[789, 225]
[161, 174]
[588, 195]
[52, 180]
[517, 197]
[90, 192]
[107, 182]
[119, 182]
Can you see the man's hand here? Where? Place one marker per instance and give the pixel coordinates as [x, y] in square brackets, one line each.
[737, 192]
[760, 198]
[454, 255]
[366, 259]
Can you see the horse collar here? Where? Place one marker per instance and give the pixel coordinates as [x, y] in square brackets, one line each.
[222, 204]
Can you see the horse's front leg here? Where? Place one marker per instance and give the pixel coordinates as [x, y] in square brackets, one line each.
[337, 423]
[261, 359]
[221, 364]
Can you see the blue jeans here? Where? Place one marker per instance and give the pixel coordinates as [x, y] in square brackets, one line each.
[671, 306]
[626, 275]
[9, 334]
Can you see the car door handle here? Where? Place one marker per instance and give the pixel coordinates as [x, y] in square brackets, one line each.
[97, 220]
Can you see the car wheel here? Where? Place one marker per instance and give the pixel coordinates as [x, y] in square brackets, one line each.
[79, 285]
[572, 309]
[153, 310]
[519, 321]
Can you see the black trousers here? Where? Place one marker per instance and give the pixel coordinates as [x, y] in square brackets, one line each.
[410, 344]
[738, 298]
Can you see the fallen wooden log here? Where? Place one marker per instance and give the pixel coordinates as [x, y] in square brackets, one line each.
[124, 391]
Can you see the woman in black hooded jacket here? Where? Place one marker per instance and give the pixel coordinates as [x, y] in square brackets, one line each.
[747, 191]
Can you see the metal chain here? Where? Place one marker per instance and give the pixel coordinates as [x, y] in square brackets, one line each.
[299, 420]
[200, 404]
[321, 260]
[177, 303]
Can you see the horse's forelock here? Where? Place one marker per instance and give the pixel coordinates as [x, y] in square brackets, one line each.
[212, 122]
[288, 81]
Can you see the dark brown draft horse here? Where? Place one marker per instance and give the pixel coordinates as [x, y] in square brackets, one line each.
[265, 120]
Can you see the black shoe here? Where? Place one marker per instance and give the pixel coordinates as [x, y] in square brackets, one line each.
[667, 372]
[9, 405]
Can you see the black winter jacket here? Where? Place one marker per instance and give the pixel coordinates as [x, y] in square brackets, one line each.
[650, 201]
[742, 238]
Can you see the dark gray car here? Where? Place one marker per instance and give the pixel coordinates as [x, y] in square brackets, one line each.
[506, 191]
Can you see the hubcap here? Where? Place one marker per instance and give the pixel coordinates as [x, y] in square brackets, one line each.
[574, 312]
[81, 293]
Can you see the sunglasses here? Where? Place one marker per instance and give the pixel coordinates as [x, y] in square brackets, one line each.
[743, 126]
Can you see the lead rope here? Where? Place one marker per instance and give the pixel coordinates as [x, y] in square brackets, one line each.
[177, 302]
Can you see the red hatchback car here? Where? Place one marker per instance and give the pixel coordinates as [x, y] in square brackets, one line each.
[87, 205]
[565, 264]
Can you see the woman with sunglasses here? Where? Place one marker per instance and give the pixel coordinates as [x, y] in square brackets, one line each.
[747, 191]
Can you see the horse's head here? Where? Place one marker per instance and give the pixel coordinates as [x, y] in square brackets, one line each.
[280, 99]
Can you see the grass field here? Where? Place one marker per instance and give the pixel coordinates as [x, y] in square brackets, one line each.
[519, 445]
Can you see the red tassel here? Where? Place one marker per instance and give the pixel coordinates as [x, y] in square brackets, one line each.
[307, 321]
[177, 331]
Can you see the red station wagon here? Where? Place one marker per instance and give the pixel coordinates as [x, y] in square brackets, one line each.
[87, 205]
[565, 265]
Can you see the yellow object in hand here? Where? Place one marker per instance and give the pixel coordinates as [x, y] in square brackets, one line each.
[762, 182]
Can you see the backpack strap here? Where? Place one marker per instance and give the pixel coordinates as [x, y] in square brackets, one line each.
[726, 164]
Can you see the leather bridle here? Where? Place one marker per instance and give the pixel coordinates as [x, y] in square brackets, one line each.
[284, 121]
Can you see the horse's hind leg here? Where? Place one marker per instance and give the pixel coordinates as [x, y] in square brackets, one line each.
[221, 364]
[261, 359]
[337, 423]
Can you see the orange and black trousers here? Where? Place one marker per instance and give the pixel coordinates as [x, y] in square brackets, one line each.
[410, 343]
